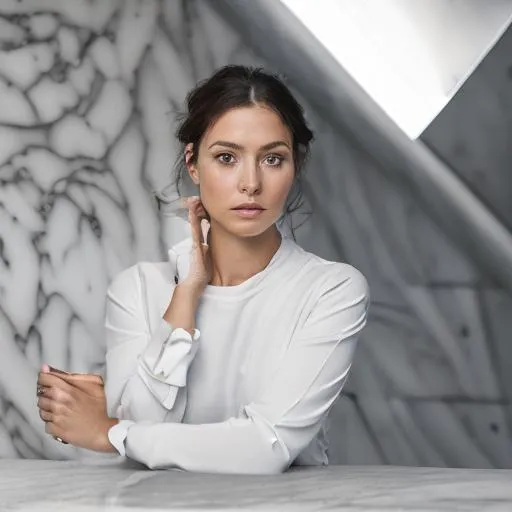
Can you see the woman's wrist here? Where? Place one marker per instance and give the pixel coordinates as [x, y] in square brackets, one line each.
[103, 443]
[189, 292]
[181, 311]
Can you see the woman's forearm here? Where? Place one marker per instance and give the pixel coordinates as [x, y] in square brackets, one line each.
[181, 311]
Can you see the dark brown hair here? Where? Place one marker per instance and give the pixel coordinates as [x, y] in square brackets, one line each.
[242, 86]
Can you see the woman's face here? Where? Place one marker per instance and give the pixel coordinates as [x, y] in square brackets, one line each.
[246, 156]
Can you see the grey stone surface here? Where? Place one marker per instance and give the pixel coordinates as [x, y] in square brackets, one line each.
[63, 486]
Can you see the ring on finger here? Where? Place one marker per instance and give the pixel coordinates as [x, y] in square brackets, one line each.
[40, 390]
[60, 440]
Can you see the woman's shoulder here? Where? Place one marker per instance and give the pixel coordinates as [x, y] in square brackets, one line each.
[328, 272]
[336, 293]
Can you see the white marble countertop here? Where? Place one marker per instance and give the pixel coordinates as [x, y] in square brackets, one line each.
[40, 485]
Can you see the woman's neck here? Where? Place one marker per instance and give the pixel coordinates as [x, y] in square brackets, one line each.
[236, 259]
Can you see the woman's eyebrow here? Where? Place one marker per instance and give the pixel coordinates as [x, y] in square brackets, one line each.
[275, 144]
[233, 145]
[227, 144]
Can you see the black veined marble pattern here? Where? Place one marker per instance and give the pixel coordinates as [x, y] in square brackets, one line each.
[89, 92]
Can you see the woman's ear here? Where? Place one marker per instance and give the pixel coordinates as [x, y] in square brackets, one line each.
[191, 167]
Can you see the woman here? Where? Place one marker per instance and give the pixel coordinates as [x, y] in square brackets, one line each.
[228, 357]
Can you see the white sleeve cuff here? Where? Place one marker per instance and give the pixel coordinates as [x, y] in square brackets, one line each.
[171, 363]
[117, 435]
[163, 392]
[154, 349]
[165, 372]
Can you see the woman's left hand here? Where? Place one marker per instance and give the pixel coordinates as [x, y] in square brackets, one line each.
[71, 413]
[200, 268]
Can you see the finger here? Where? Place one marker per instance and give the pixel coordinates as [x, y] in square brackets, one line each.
[203, 215]
[52, 406]
[205, 249]
[46, 368]
[49, 380]
[45, 415]
[91, 385]
[41, 390]
[205, 228]
[51, 428]
[204, 224]
[58, 390]
[61, 398]
[194, 203]
[79, 378]
[56, 370]
[45, 404]
[196, 206]
[196, 228]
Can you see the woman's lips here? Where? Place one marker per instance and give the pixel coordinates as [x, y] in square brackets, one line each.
[248, 213]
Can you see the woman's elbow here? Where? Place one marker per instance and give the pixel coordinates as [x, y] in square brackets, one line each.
[271, 465]
[273, 461]
[277, 467]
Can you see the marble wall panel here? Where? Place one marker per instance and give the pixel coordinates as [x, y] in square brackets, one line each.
[89, 95]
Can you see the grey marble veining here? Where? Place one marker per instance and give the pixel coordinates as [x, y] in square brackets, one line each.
[111, 486]
[89, 94]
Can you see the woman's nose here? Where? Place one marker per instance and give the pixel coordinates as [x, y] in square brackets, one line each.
[250, 180]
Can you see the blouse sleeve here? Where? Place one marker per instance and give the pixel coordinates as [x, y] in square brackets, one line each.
[275, 428]
[144, 371]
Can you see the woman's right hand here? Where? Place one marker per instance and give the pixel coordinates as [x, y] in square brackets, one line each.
[200, 268]
[90, 383]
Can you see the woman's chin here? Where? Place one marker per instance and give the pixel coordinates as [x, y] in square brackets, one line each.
[253, 231]
[246, 230]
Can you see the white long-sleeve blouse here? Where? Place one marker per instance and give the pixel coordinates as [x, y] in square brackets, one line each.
[251, 390]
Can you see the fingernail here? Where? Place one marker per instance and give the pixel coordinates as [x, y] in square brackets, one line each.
[205, 226]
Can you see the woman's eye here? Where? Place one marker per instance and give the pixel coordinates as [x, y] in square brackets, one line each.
[274, 160]
[225, 158]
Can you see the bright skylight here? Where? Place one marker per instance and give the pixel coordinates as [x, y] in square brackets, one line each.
[409, 56]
